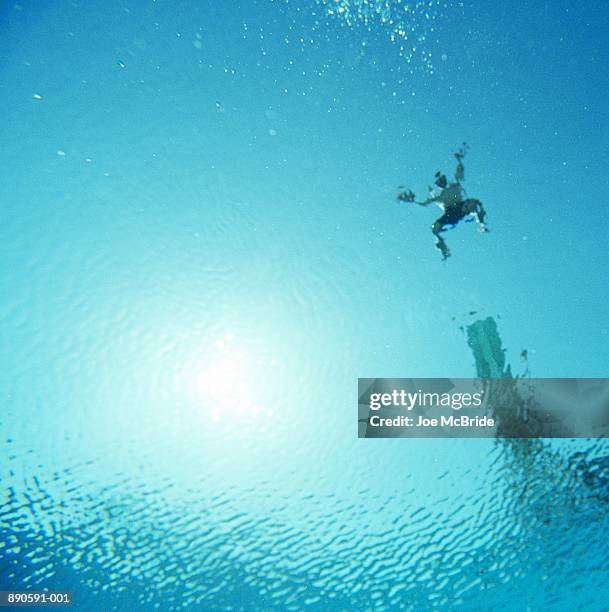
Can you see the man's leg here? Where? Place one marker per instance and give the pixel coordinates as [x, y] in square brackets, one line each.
[473, 206]
[436, 228]
[480, 213]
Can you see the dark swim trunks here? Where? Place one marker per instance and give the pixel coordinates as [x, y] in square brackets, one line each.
[452, 215]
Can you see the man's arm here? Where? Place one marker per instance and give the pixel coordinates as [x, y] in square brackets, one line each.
[460, 169]
[428, 201]
[408, 196]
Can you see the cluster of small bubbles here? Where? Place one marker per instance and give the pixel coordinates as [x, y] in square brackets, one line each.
[409, 24]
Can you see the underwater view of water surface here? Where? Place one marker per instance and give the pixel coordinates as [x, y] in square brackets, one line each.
[201, 250]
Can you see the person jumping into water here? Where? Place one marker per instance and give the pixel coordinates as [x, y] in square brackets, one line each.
[451, 198]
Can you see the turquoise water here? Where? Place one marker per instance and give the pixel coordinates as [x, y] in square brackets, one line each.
[201, 251]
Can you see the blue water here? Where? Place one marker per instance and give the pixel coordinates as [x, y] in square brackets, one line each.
[201, 251]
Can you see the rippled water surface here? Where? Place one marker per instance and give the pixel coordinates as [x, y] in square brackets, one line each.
[200, 253]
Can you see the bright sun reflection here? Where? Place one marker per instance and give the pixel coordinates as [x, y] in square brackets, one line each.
[227, 381]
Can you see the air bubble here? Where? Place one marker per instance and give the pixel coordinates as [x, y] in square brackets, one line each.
[399, 21]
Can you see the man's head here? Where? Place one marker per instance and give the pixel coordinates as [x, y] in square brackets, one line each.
[441, 180]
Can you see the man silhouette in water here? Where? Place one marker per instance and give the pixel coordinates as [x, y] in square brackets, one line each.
[450, 197]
